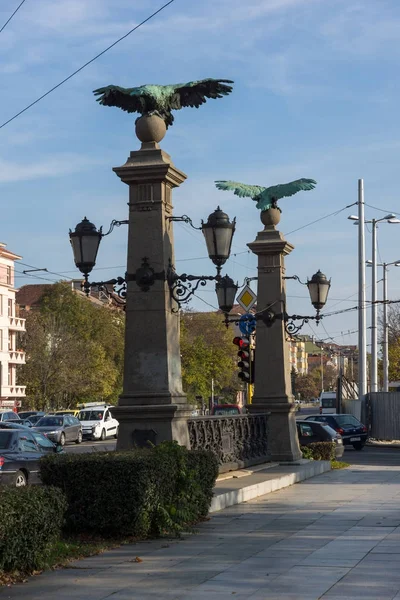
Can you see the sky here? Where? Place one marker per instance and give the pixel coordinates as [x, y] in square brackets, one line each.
[316, 95]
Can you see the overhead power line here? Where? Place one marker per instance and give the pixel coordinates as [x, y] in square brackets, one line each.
[14, 13]
[85, 65]
[333, 214]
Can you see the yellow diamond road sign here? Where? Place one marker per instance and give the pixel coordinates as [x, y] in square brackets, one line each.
[247, 298]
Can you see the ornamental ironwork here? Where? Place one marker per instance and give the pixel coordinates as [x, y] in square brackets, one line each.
[237, 439]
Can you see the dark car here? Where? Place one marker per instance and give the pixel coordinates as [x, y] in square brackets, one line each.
[60, 429]
[311, 431]
[353, 432]
[20, 453]
[26, 414]
[225, 409]
[33, 419]
[9, 415]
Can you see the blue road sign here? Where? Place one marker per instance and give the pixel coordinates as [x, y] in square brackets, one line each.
[247, 324]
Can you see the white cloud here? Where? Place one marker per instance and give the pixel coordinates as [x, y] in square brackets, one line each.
[58, 166]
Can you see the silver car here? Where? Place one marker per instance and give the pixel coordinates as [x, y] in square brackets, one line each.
[60, 428]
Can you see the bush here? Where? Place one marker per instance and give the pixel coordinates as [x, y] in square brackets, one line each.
[30, 522]
[319, 451]
[141, 492]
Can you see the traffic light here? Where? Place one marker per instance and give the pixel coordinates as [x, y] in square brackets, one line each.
[246, 362]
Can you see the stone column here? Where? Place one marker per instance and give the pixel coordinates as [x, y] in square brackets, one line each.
[152, 407]
[272, 386]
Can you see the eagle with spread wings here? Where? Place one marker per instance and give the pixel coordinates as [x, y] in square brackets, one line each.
[162, 99]
[267, 197]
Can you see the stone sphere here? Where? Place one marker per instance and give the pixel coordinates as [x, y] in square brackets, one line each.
[150, 128]
[270, 217]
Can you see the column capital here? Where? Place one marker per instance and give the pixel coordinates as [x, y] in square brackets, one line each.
[150, 165]
[270, 242]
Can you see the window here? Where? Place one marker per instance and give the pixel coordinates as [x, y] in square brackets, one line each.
[9, 275]
[10, 375]
[1, 304]
[306, 430]
[27, 444]
[11, 341]
[1, 340]
[10, 308]
[42, 441]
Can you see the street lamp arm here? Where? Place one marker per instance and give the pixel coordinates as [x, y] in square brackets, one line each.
[184, 219]
[297, 279]
[113, 224]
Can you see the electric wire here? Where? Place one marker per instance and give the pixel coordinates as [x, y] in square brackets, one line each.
[14, 13]
[333, 214]
[85, 65]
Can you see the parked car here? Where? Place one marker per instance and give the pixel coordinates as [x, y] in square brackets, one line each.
[311, 431]
[98, 423]
[20, 453]
[60, 429]
[13, 425]
[353, 432]
[26, 414]
[33, 419]
[225, 409]
[9, 415]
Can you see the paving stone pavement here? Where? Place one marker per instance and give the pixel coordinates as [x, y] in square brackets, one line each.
[336, 536]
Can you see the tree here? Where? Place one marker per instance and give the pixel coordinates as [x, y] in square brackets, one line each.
[74, 351]
[208, 354]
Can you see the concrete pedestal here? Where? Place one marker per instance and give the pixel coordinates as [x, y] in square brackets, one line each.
[152, 407]
[272, 386]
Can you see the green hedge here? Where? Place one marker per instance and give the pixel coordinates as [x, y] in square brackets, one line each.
[141, 492]
[30, 522]
[319, 451]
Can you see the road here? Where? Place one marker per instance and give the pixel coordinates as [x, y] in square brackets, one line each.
[90, 446]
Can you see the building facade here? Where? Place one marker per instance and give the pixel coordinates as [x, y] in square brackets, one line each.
[298, 356]
[11, 326]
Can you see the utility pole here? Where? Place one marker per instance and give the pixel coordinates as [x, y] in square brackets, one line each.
[385, 344]
[374, 308]
[362, 329]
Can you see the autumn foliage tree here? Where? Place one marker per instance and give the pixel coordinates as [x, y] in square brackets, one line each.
[74, 351]
[208, 354]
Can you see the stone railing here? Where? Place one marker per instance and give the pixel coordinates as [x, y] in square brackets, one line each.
[237, 441]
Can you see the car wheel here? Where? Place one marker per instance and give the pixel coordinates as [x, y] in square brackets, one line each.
[103, 435]
[62, 439]
[79, 440]
[20, 479]
[358, 446]
[116, 434]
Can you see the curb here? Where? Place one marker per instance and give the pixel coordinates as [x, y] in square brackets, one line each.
[267, 483]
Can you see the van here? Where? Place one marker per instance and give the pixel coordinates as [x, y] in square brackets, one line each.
[327, 403]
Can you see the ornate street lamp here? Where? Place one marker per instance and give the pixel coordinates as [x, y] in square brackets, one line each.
[226, 293]
[318, 287]
[85, 242]
[218, 232]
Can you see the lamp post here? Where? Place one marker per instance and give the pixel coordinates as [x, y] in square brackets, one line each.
[385, 326]
[389, 218]
[153, 407]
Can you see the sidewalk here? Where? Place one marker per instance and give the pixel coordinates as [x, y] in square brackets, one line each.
[335, 536]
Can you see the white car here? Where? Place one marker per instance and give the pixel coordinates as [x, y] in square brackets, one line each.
[98, 423]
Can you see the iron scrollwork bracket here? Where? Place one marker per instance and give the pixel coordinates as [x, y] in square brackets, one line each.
[269, 317]
[118, 285]
[184, 219]
[181, 286]
[145, 276]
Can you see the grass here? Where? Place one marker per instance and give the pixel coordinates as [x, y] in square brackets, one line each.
[63, 552]
[337, 464]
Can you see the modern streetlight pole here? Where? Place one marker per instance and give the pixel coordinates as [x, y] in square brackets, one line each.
[390, 218]
[362, 329]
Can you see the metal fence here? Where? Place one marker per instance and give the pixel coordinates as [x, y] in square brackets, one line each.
[382, 415]
[238, 441]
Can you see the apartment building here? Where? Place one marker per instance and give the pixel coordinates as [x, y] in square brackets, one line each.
[11, 393]
[298, 356]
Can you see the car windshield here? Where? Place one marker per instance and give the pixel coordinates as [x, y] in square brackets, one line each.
[328, 402]
[50, 422]
[347, 420]
[228, 410]
[91, 415]
[5, 439]
[35, 418]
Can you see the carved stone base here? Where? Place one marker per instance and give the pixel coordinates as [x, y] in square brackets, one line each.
[144, 425]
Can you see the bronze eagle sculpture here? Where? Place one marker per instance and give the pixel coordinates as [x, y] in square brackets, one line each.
[162, 99]
[267, 197]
